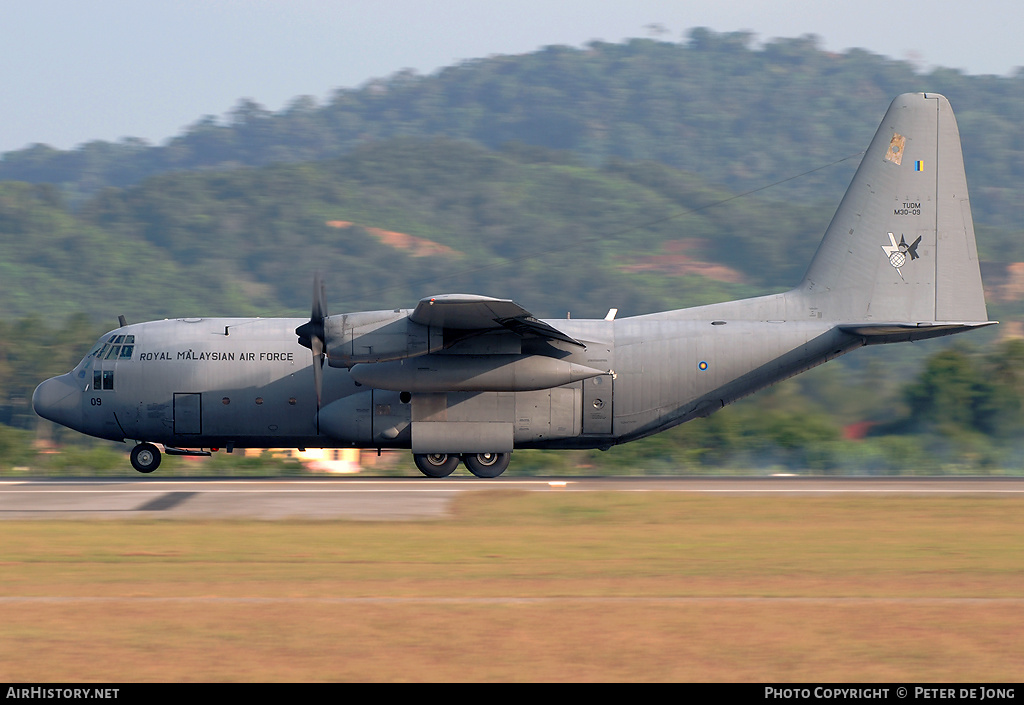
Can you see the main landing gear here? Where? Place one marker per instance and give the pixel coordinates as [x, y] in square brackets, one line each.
[145, 457]
[480, 464]
[487, 464]
[436, 464]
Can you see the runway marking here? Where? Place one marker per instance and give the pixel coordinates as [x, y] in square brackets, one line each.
[875, 491]
[204, 491]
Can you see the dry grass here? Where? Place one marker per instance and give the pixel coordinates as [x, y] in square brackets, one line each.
[589, 587]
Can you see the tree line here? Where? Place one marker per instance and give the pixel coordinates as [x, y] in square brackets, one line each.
[714, 104]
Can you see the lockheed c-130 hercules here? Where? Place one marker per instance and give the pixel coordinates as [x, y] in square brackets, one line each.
[471, 378]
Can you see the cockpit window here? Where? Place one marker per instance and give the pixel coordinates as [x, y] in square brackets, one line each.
[102, 379]
[114, 347]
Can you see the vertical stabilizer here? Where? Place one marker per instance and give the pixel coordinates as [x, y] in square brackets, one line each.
[901, 245]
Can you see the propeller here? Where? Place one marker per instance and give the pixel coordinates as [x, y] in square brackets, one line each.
[312, 335]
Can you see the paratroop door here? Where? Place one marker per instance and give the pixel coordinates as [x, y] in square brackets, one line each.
[188, 414]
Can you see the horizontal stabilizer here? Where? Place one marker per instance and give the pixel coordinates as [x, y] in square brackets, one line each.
[876, 333]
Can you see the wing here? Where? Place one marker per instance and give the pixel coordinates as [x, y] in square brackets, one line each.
[471, 312]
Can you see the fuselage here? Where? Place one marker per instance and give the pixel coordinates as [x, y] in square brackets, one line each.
[243, 382]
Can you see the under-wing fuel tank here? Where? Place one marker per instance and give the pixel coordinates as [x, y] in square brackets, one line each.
[472, 373]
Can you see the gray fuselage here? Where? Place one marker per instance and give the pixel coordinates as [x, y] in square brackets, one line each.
[248, 383]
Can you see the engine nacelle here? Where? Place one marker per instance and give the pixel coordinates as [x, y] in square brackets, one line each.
[378, 336]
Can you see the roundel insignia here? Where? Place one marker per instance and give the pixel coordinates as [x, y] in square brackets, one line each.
[702, 365]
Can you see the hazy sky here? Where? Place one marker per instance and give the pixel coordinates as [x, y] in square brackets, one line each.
[78, 70]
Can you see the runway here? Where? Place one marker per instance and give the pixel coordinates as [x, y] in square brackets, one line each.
[391, 499]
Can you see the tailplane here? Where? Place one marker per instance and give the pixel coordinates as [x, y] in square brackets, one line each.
[901, 246]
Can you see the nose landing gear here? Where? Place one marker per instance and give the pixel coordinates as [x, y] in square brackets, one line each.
[145, 457]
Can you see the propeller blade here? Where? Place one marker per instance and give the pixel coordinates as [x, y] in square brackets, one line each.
[312, 335]
[319, 299]
[318, 370]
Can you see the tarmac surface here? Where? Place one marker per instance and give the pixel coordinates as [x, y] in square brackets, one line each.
[390, 499]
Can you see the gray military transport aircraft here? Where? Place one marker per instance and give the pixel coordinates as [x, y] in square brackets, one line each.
[471, 378]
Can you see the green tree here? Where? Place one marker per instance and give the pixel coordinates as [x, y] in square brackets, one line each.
[958, 392]
[948, 393]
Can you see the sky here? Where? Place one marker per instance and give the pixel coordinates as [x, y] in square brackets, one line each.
[72, 71]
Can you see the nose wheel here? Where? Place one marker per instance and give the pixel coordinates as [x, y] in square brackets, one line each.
[145, 457]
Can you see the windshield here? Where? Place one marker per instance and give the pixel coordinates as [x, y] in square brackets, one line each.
[110, 347]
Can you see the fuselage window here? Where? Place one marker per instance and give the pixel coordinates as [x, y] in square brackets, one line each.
[97, 379]
[108, 379]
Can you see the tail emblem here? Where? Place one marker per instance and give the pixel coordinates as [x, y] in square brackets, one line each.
[895, 152]
[897, 254]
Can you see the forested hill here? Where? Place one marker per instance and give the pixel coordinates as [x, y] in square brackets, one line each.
[395, 221]
[738, 114]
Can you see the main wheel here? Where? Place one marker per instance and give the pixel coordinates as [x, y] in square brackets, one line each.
[145, 457]
[486, 464]
[436, 464]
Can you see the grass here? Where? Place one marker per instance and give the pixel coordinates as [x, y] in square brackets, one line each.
[573, 586]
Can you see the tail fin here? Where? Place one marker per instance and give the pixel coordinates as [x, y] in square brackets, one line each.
[901, 246]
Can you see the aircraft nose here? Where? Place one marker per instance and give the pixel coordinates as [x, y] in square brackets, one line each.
[59, 399]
